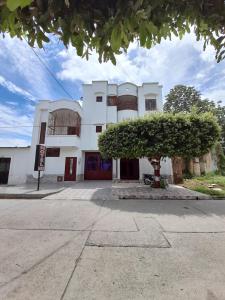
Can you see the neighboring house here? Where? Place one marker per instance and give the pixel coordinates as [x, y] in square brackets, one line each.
[70, 133]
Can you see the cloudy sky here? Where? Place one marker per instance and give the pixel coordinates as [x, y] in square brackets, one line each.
[24, 79]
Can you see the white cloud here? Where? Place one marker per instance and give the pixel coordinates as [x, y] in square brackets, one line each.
[15, 89]
[23, 64]
[12, 122]
[170, 63]
[215, 94]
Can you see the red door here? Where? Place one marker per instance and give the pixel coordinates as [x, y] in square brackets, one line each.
[97, 168]
[129, 169]
[70, 169]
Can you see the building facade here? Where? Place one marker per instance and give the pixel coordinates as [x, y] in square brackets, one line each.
[70, 130]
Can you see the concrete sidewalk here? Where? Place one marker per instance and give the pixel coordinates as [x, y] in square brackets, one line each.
[107, 190]
[99, 190]
[28, 191]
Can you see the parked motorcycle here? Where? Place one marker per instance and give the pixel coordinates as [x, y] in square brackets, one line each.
[149, 180]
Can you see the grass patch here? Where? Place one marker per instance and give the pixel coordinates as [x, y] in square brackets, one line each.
[202, 184]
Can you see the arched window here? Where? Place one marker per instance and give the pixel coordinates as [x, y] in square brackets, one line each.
[64, 122]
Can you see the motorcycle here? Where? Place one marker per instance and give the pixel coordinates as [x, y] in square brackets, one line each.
[149, 180]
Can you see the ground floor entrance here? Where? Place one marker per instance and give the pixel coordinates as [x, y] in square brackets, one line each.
[97, 168]
[4, 169]
[129, 169]
[70, 169]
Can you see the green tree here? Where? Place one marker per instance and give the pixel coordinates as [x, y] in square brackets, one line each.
[160, 135]
[220, 113]
[184, 98]
[111, 25]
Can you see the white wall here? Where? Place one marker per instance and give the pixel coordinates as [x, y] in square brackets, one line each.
[127, 114]
[149, 91]
[146, 168]
[94, 113]
[112, 89]
[56, 165]
[62, 141]
[127, 88]
[111, 114]
[41, 115]
[18, 165]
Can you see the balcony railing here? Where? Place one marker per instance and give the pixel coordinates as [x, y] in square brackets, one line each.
[64, 130]
[125, 102]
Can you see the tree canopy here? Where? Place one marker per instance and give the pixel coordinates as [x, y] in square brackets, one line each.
[160, 135]
[220, 113]
[184, 98]
[111, 25]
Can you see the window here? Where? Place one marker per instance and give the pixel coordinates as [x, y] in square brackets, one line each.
[150, 104]
[99, 99]
[112, 100]
[52, 152]
[98, 128]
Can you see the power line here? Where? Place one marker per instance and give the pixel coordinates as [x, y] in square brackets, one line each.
[50, 72]
[31, 126]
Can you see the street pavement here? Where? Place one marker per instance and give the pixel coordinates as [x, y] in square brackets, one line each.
[98, 190]
[112, 249]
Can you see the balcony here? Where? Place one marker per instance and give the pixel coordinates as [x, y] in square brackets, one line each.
[63, 128]
[62, 141]
[125, 102]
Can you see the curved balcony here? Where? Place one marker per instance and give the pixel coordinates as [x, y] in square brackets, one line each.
[63, 128]
[62, 141]
[125, 102]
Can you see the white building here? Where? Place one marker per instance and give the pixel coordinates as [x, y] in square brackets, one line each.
[70, 133]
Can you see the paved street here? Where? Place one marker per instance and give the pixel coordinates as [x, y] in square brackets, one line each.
[114, 249]
[98, 190]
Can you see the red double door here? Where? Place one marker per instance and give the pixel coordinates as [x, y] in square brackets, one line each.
[70, 169]
[97, 168]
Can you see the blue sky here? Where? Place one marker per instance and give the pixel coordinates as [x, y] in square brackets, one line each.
[24, 79]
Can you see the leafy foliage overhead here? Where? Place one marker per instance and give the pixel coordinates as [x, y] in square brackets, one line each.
[160, 135]
[111, 25]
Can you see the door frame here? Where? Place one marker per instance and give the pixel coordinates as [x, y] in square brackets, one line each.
[73, 176]
[130, 163]
[6, 172]
[98, 174]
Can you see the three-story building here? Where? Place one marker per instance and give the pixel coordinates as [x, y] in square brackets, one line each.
[70, 130]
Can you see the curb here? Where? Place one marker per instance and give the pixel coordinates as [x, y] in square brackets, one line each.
[133, 197]
[25, 196]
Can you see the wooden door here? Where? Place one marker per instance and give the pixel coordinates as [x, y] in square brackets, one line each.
[70, 169]
[97, 168]
[129, 169]
[4, 170]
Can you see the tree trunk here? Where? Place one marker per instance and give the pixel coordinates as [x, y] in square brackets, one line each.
[177, 163]
[155, 162]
